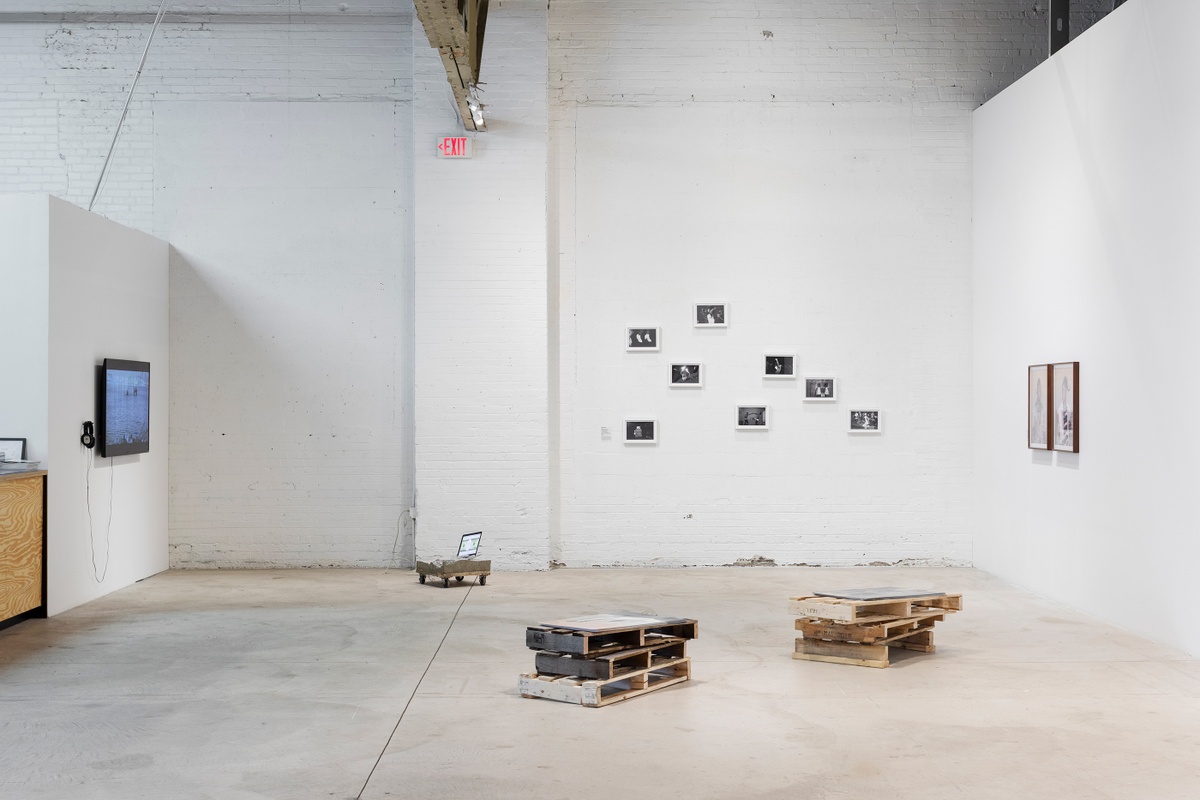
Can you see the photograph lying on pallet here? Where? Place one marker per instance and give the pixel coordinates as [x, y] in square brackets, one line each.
[642, 339]
[641, 431]
[1039, 407]
[858, 626]
[687, 375]
[779, 365]
[865, 420]
[603, 659]
[820, 390]
[1065, 398]
[711, 315]
[752, 418]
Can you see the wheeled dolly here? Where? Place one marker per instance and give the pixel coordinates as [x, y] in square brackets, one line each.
[458, 570]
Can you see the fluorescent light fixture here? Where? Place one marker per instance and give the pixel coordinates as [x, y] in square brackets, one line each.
[475, 107]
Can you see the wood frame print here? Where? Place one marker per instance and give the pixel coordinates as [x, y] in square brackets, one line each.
[1064, 395]
[1039, 405]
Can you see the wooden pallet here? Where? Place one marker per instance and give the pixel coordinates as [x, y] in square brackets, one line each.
[866, 611]
[595, 643]
[612, 665]
[863, 655]
[599, 693]
[867, 632]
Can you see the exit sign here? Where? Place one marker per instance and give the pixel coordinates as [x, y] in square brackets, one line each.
[455, 147]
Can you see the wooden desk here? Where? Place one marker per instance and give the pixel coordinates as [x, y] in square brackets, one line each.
[22, 546]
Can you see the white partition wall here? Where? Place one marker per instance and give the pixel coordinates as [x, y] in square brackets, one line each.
[1086, 249]
[86, 289]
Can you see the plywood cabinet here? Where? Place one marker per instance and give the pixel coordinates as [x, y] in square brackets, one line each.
[22, 544]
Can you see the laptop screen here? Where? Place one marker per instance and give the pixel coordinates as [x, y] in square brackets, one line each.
[469, 545]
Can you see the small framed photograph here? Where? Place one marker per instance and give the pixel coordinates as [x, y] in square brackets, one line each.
[865, 420]
[711, 315]
[1038, 423]
[687, 375]
[641, 431]
[1064, 398]
[12, 449]
[820, 390]
[779, 365]
[642, 339]
[753, 418]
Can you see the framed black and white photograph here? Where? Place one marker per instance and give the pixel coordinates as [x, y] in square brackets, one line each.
[687, 375]
[641, 431]
[1064, 398]
[642, 339]
[820, 390]
[779, 365]
[711, 315]
[12, 449]
[1040, 391]
[753, 418]
[865, 420]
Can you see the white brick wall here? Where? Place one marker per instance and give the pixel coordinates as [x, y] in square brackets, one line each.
[481, 287]
[271, 146]
[283, 149]
[810, 164]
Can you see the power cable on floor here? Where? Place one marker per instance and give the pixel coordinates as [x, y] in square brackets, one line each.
[416, 688]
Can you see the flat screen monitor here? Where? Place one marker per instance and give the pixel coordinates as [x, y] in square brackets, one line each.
[468, 546]
[124, 412]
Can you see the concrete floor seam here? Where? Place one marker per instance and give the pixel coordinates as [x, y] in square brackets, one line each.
[416, 689]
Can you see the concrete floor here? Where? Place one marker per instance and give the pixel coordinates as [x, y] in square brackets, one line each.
[290, 684]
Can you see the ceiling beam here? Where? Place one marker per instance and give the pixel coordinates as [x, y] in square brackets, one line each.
[455, 28]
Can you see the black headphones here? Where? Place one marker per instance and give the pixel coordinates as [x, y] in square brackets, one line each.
[88, 439]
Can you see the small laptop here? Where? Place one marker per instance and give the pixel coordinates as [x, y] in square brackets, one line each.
[468, 546]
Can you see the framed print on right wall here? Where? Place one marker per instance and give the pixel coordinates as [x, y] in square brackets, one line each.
[1064, 396]
[1037, 423]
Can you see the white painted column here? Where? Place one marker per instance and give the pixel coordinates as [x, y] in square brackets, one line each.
[481, 302]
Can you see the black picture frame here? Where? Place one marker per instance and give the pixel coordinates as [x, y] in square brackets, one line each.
[113, 431]
[5, 448]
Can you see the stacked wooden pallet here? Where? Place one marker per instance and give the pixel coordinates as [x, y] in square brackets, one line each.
[858, 626]
[605, 658]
